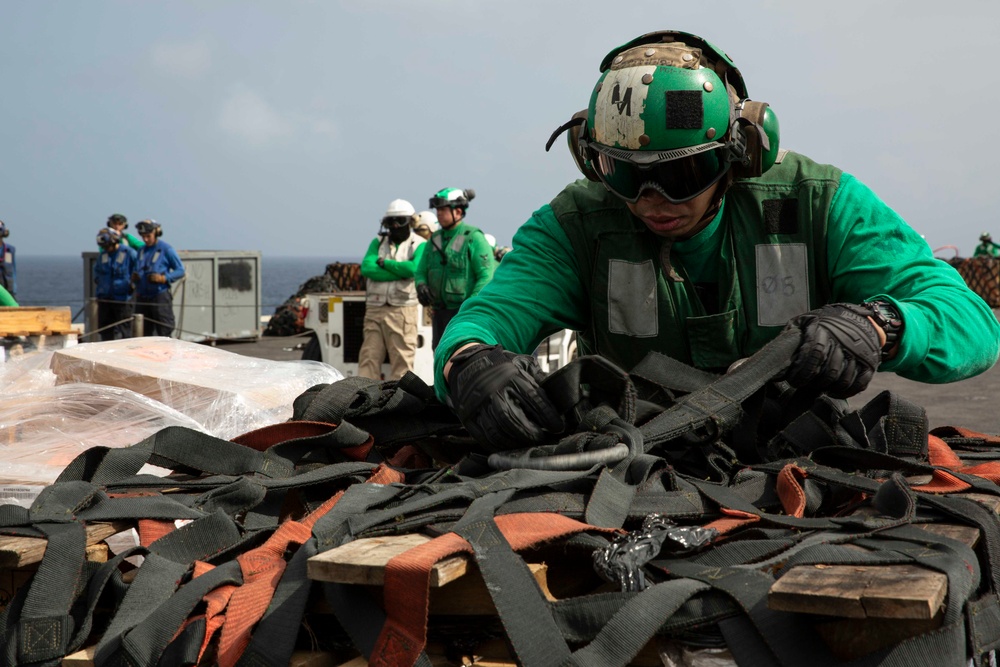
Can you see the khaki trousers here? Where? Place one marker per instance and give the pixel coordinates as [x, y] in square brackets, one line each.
[391, 329]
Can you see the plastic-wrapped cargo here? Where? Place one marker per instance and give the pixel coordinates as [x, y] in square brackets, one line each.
[226, 393]
[43, 429]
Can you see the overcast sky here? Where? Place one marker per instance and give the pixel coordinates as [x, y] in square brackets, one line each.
[287, 127]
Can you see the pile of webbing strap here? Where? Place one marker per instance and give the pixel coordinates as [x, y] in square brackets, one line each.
[225, 539]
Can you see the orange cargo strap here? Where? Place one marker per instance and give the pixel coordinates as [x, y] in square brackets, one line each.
[236, 609]
[407, 580]
[266, 436]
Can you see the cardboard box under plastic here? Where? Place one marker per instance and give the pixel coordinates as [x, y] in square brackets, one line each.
[186, 376]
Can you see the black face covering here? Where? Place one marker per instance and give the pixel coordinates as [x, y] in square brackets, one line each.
[399, 234]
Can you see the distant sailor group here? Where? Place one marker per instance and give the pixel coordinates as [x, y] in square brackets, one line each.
[134, 275]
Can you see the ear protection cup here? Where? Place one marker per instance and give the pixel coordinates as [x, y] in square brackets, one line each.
[757, 127]
[4, 232]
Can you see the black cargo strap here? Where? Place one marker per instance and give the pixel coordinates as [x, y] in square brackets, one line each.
[716, 407]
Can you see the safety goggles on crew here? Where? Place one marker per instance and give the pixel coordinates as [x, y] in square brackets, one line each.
[395, 221]
[679, 175]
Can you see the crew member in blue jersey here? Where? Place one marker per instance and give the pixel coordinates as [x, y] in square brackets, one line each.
[113, 276]
[158, 268]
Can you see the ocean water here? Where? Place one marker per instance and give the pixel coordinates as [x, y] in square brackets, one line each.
[59, 281]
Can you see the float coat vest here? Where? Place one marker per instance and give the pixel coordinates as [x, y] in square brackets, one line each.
[772, 267]
[402, 292]
[450, 272]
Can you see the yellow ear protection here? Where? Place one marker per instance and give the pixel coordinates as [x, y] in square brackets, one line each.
[753, 135]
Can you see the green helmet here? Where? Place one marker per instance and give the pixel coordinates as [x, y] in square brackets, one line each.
[452, 198]
[670, 112]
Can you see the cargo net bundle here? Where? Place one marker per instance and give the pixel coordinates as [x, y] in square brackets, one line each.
[982, 275]
[338, 277]
[685, 519]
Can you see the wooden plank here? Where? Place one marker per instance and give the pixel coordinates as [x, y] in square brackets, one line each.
[468, 595]
[32, 321]
[363, 561]
[860, 591]
[967, 535]
[20, 551]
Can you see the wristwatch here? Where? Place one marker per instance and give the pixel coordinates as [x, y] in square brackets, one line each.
[889, 320]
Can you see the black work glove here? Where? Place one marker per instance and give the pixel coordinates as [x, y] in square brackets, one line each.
[497, 397]
[381, 262]
[424, 295]
[839, 351]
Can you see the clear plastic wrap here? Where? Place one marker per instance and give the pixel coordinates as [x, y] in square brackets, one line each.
[226, 393]
[42, 431]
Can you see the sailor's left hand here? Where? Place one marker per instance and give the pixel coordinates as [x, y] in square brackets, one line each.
[839, 352]
[381, 262]
[157, 278]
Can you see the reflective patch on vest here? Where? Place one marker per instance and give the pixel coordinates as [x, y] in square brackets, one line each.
[782, 283]
[8, 257]
[457, 243]
[781, 216]
[120, 258]
[156, 257]
[632, 305]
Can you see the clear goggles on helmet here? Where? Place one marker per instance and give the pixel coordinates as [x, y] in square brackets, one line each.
[679, 175]
[396, 221]
[146, 227]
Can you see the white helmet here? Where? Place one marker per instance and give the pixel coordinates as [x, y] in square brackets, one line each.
[427, 219]
[491, 239]
[399, 208]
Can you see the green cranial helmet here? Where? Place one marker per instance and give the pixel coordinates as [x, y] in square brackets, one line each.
[670, 112]
[452, 198]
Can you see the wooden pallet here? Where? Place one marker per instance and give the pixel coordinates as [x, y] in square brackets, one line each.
[35, 321]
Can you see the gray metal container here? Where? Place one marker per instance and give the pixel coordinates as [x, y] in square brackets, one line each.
[219, 297]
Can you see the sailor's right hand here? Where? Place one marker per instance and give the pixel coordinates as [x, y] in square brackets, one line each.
[424, 295]
[497, 396]
[157, 278]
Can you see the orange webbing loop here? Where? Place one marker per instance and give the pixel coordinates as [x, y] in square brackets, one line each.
[236, 609]
[790, 491]
[407, 580]
[940, 454]
[267, 436]
[731, 520]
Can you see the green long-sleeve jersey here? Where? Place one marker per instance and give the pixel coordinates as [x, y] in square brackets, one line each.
[5, 297]
[391, 269]
[950, 333]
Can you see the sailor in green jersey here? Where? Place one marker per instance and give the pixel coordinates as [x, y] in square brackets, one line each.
[390, 325]
[986, 247]
[5, 298]
[119, 223]
[695, 236]
[457, 263]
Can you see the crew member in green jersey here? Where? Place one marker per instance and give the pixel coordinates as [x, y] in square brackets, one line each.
[986, 247]
[457, 263]
[119, 223]
[696, 236]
